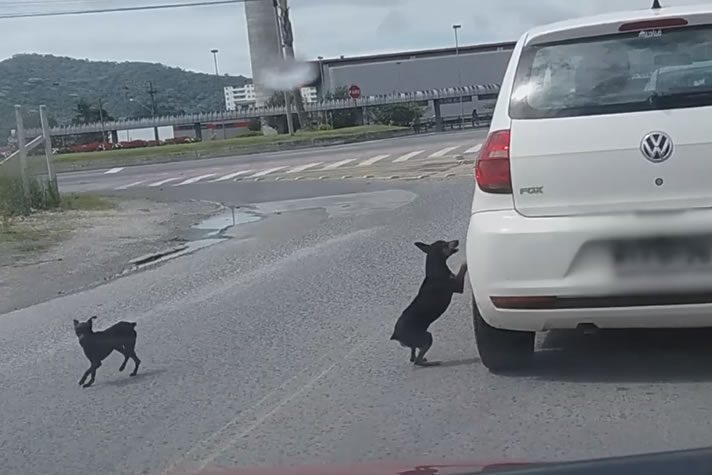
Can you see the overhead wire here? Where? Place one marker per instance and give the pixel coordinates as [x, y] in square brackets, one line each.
[87, 11]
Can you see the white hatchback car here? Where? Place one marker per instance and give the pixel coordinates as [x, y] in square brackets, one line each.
[593, 204]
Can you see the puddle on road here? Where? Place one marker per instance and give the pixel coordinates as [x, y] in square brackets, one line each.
[202, 235]
[220, 222]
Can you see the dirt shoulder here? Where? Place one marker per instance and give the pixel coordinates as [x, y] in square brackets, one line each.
[50, 254]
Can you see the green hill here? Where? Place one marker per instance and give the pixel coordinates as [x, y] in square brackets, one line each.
[60, 83]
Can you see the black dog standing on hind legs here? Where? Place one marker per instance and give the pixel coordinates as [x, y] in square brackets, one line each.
[433, 299]
[98, 345]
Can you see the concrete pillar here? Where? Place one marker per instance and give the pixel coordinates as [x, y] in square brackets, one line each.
[265, 48]
[114, 136]
[198, 131]
[438, 115]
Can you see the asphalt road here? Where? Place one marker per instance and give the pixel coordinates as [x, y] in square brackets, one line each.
[272, 348]
[415, 148]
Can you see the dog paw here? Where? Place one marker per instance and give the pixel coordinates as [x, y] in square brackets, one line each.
[121, 369]
[87, 385]
[133, 374]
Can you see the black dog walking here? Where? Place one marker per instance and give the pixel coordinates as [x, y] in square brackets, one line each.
[98, 345]
[431, 302]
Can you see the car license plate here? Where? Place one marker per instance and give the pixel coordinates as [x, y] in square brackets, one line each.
[662, 255]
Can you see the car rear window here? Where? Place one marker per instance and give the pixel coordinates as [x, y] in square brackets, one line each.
[642, 70]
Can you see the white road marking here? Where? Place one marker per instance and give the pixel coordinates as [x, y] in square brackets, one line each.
[338, 164]
[266, 172]
[408, 156]
[163, 182]
[113, 170]
[373, 160]
[231, 176]
[474, 149]
[195, 179]
[130, 185]
[443, 152]
[301, 168]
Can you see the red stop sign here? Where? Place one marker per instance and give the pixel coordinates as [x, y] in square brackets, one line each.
[354, 92]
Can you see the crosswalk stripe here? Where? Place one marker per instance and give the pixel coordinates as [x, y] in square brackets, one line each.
[408, 156]
[231, 176]
[474, 149]
[338, 164]
[443, 152]
[195, 179]
[266, 172]
[373, 160]
[126, 187]
[113, 170]
[301, 168]
[163, 182]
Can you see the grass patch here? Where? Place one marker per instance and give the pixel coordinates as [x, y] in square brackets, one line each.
[22, 236]
[213, 146]
[85, 202]
[31, 235]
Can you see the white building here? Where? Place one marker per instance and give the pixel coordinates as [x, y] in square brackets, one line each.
[236, 97]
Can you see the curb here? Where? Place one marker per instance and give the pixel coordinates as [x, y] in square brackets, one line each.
[154, 256]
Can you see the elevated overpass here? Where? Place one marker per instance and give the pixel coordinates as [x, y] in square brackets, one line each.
[437, 96]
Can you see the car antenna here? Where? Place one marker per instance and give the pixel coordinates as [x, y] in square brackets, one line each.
[656, 5]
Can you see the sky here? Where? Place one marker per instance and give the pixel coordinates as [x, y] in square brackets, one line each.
[330, 28]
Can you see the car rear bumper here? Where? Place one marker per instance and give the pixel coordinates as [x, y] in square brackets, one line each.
[562, 274]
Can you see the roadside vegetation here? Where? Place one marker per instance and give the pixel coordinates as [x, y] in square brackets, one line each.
[33, 220]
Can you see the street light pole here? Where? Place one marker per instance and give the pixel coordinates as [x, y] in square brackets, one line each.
[215, 52]
[456, 27]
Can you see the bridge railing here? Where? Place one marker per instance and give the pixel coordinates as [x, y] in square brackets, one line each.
[269, 111]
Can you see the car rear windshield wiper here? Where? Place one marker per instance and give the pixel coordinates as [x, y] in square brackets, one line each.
[680, 94]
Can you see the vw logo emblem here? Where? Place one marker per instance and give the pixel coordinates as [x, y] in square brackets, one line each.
[656, 146]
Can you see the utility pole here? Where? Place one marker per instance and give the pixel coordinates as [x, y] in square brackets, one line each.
[459, 73]
[47, 138]
[287, 98]
[152, 92]
[22, 151]
[288, 43]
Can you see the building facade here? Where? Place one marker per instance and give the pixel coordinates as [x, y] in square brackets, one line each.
[420, 70]
[237, 97]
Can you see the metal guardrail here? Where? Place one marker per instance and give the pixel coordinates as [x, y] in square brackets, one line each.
[256, 112]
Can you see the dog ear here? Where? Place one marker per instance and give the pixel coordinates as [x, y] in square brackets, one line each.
[92, 318]
[76, 322]
[422, 246]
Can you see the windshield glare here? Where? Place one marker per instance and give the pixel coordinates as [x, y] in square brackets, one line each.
[613, 74]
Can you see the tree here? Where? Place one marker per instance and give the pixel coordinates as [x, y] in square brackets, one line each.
[404, 115]
[87, 113]
[279, 122]
[343, 117]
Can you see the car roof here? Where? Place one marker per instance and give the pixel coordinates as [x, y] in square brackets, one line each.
[616, 18]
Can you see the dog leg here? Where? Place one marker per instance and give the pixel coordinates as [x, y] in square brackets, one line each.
[92, 373]
[412, 355]
[420, 358]
[126, 358]
[459, 280]
[85, 376]
[131, 353]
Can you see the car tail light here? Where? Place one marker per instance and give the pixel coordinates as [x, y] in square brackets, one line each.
[653, 24]
[492, 164]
